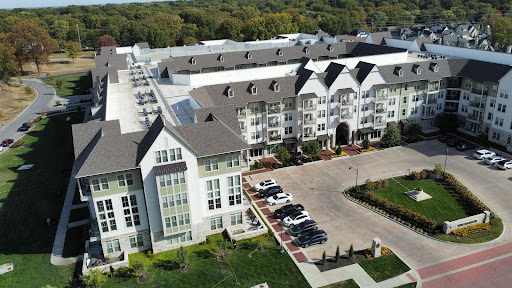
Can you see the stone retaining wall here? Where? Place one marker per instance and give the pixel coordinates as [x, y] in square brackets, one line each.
[449, 226]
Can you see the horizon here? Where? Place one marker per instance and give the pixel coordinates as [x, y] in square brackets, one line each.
[34, 4]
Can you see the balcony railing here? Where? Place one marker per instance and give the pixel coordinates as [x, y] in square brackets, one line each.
[381, 97]
[310, 121]
[310, 107]
[380, 111]
[275, 124]
[433, 87]
[274, 137]
[241, 115]
[379, 124]
[345, 116]
[428, 115]
[479, 91]
[430, 101]
[308, 135]
[453, 97]
[476, 105]
[474, 118]
[273, 110]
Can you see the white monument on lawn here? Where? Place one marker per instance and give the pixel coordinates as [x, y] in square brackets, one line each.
[376, 247]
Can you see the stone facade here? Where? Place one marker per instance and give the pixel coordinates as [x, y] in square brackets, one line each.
[124, 243]
[449, 226]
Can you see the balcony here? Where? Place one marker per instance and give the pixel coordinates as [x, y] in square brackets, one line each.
[474, 118]
[383, 97]
[311, 121]
[479, 90]
[344, 116]
[453, 96]
[273, 110]
[379, 124]
[380, 111]
[309, 107]
[477, 105]
[430, 101]
[308, 136]
[345, 103]
[274, 137]
[428, 115]
[274, 123]
[432, 87]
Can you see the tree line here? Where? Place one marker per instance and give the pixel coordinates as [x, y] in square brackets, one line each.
[163, 24]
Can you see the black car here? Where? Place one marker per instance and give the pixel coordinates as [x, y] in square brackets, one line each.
[312, 238]
[297, 160]
[303, 228]
[271, 191]
[287, 210]
[465, 146]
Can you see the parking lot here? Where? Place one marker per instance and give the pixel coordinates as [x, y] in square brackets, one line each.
[319, 185]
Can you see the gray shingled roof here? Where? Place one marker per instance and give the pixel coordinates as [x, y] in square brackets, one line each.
[364, 68]
[101, 148]
[482, 72]
[142, 45]
[409, 75]
[333, 71]
[378, 37]
[226, 114]
[216, 95]
[114, 60]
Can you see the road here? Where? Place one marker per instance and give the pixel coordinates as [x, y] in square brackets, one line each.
[44, 101]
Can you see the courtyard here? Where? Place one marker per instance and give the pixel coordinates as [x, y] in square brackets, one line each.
[318, 186]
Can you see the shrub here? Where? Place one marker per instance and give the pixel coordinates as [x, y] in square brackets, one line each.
[182, 256]
[415, 175]
[424, 173]
[337, 254]
[419, 188]
[139, 267]
[95, 279]
[438, 169]
[311, 148]
[324, 258]
[368, 184]
[385, 183]
[366, 144]
[18, 143]
[58, 103]
[339, 150]
[283, 155]
[275, 165]
[28, 90]
[464, 232]
[377, 184]
[351, 252]
[316, 158]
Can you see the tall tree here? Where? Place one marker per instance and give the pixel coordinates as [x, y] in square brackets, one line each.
[31, 44]
[7, 63]
[106, 40]
[72, 49]
[230, 29]
[501, 31]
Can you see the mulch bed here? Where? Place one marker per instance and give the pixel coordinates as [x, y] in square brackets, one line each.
[344, 261]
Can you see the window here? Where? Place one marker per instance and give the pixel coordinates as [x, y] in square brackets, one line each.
[321, 114]
[211, 164]
[403, 112]
[392, 88]
[216, 223]
[406, 86]
[391, 114]
[161, 156]
[130, 210]
[504, 108]
[405, 100]
[234, 190]
[213, 193]
[175, 154]
[364, 107]
[255, 121]
[125, 180]
[253, 136]
[288, 116]
[113, 246]
[180, 237]
[288, 103]
[231, 92]
[106, 215]
[167, 222]
[236, 218]
[254, 90]
[355, 108]
[99, 184]
[172, 179]
[489, 116]
[364, 120]
[136, 241]
[321, 127]
[391, 101]
[499, 107]
[232, 161]
[504, 94]
[254, 107]
[498, 121]
[365, 94]
[321, 100]
[288, 130]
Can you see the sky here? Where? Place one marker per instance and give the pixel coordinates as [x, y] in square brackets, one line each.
[10, 4]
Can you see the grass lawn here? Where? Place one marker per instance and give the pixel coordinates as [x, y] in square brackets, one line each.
[408, 285]
[350, 283]
[384, 267]
[495, 232]
[61, 64]
[245, 267]
[76, 84]
[28, 198]
[442, 207]
[13, 101]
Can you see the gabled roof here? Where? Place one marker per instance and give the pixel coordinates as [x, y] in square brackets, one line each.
[333, 71]
[378, 37]
[142, 45]
[389, 74]
[482, 72]
[225, 113]
[364, 68]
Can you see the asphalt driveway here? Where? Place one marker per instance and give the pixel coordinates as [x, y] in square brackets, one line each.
[318, 187]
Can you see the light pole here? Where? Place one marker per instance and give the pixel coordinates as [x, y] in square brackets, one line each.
[408, 171]
[357, 172]
[445, 158]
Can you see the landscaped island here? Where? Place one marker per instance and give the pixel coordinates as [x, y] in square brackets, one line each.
[450, 201]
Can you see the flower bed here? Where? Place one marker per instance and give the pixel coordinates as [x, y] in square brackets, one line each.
[368, 251]
[464, 232]
[334, 155]
[366, 150]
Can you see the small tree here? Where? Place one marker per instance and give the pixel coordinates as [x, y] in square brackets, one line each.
[28, 90]
[369, 185]
[95, 279]
[339, 150]
[438, 169]
[413, 128]
[351, 252]
[391, 136]
[366, 143]
[311, 148]
[72, 49]
[182, 257]
[283, 155]
[337, 254]
[222, 249]
[139, 268]
[324, 258]
[59, 83]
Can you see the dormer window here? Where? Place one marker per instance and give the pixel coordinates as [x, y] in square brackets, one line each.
[221, 58]
[417, 69]
[253, 89]
[434, 67]
[306, 50]
[279, 52]
[231, 93]
[248, 55]
[276, 87]
[330, 47]
[193, 61]
[399, 71]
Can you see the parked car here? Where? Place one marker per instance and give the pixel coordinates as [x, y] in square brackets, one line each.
[303, 228]
[296, 218]
[482, 154]
[465, 146]
[493, 160]
[505, 164]
[265, 184]
[271, 191]
[26, 126]
[7, 142]
[312, 238]
[297, 160]
[280, 198]
[287, 210]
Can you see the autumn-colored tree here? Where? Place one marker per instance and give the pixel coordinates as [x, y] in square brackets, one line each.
[106, 40]
[31, 43]
[72, 49]
[7, 63]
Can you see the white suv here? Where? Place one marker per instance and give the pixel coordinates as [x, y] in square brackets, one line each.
[482, 154]
[265, 184]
